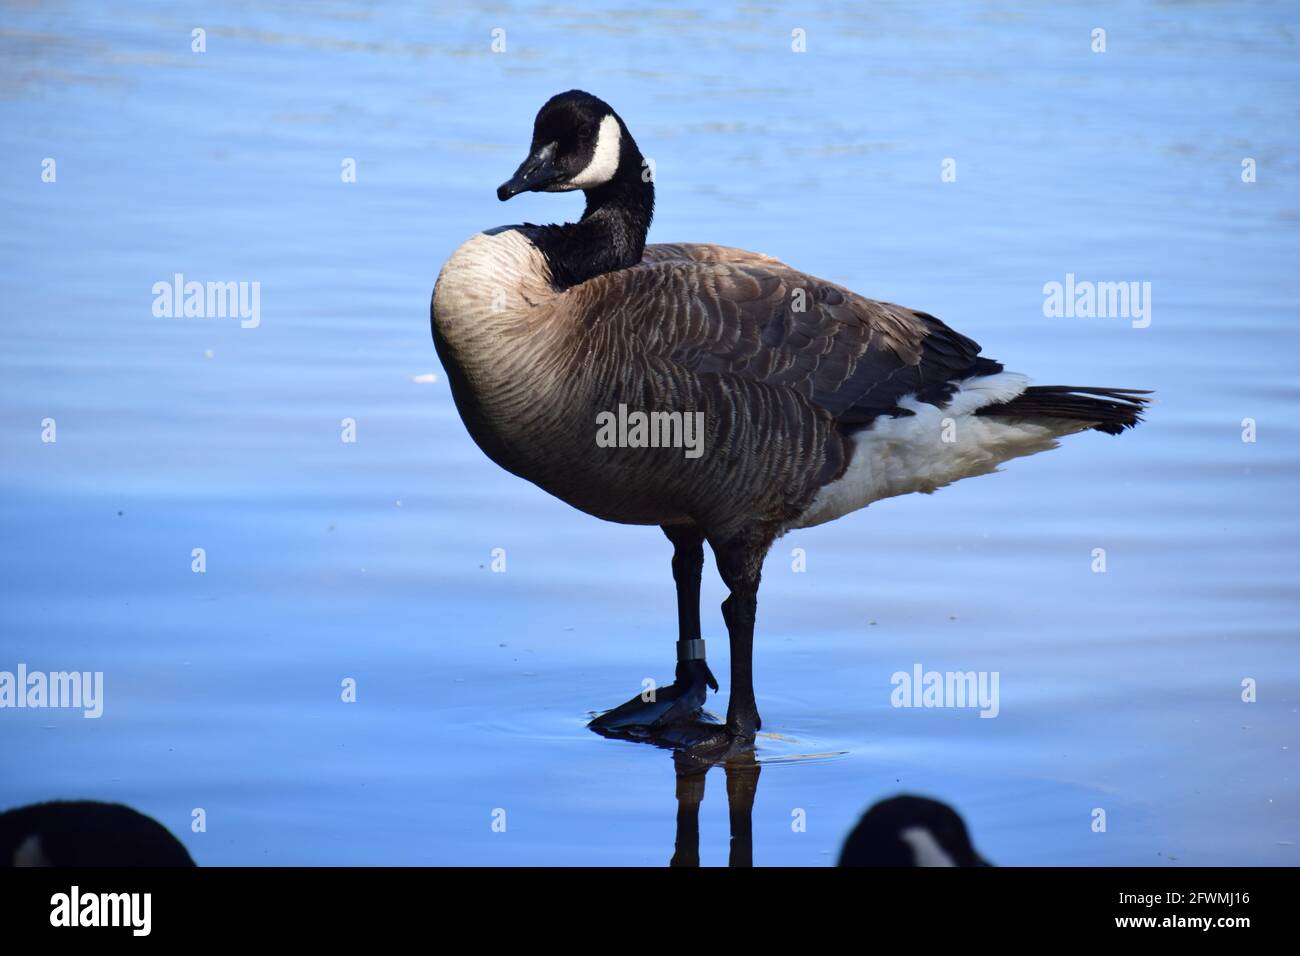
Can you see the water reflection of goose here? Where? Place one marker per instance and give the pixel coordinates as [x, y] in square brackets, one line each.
[902, 831]
[810, 400]
[741, 771]
[86, 833]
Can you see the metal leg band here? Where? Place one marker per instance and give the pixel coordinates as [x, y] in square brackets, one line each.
[690, 650]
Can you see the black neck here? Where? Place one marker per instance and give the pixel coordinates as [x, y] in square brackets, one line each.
[611, 233]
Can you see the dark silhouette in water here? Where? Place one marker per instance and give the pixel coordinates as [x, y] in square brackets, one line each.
[910, 831]
[699, 745]
[742, 771]
[86, 833]
[900, 831]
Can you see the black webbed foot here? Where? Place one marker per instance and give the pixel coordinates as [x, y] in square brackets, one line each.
[662, 707]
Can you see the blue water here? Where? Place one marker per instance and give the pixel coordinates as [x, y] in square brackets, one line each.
[372, 560]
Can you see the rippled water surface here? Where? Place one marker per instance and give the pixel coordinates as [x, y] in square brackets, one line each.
[373, 560]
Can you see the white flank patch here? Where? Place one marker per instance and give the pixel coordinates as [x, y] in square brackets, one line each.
[925, 848]
[604, 161]
[896, 456]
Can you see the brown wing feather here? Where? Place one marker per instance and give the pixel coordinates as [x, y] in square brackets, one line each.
[712, 309]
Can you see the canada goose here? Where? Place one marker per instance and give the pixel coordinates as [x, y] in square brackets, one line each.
[86, 833]
[808, 400]
[910, 831]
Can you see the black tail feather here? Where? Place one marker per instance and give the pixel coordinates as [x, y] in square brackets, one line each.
[1109, 410]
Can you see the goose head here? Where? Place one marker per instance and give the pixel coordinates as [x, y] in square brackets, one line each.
[910, 831]
[579, 142]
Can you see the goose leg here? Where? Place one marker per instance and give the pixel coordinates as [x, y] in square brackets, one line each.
[683, 698]
[688, 566]
[740, 562]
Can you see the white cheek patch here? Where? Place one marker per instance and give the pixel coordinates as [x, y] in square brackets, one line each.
[925, 848]
[604, 161]
[30, 853]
